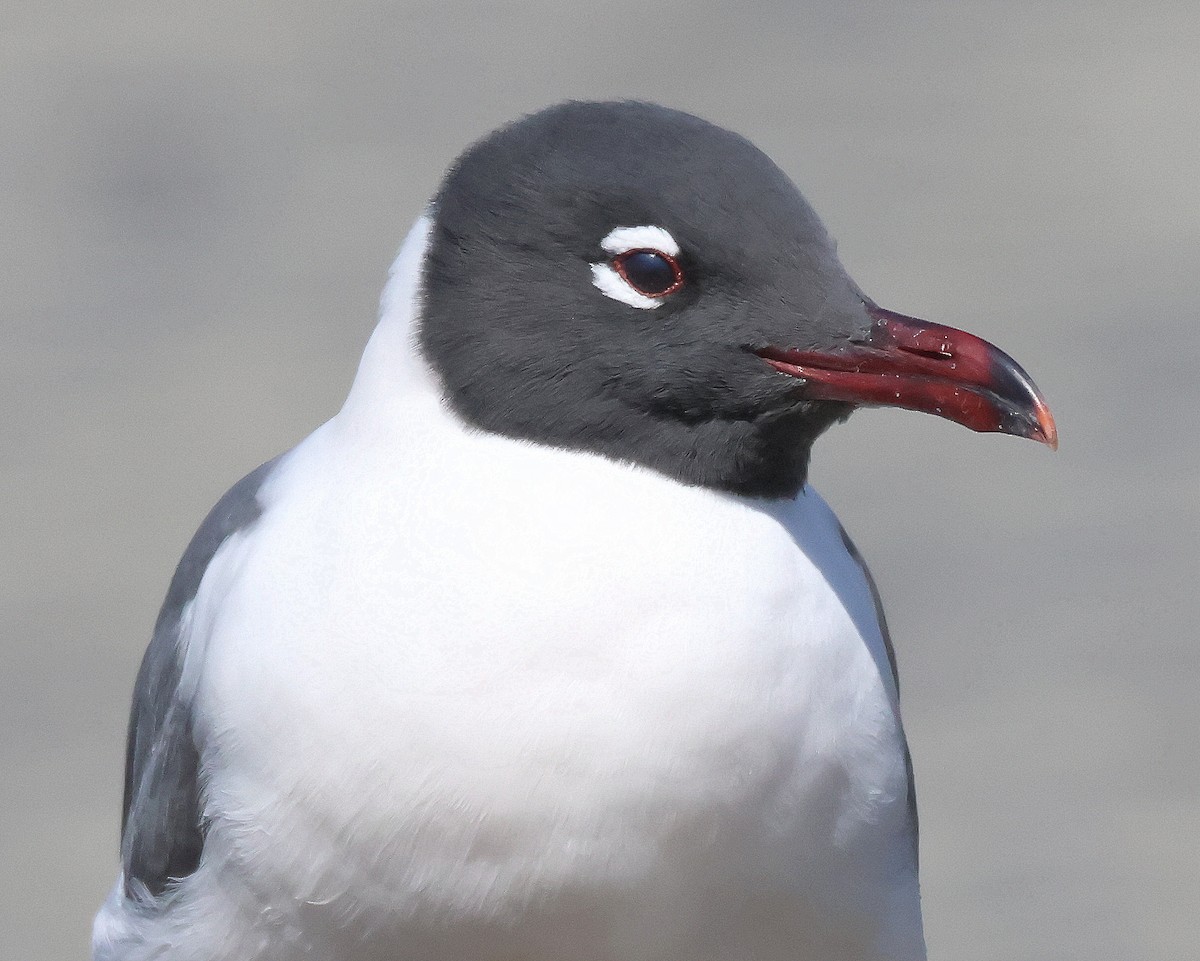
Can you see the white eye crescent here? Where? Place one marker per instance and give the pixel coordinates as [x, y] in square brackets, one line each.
[621, 239]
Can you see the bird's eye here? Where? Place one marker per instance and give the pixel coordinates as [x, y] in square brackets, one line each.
[641, 269]
[650, 272]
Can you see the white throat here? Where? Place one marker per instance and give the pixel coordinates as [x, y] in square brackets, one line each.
[393, 368]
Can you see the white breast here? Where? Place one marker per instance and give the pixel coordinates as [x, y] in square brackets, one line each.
[503, 697]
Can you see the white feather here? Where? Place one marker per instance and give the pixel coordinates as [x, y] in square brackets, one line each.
[622, 239]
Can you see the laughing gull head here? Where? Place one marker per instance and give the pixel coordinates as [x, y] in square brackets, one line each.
[724, 264]
[543, 647]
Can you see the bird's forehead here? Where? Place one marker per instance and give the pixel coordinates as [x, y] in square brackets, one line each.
[582, 169]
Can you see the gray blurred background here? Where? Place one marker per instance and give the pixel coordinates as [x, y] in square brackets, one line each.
[198, 205]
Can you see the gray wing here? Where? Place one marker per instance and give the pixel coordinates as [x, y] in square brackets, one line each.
[891, 656]
[162, 831]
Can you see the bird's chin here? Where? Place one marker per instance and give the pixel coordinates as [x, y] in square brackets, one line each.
[772, 452]
[809, 416]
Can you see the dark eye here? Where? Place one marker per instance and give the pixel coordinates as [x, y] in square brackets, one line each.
[649, 272]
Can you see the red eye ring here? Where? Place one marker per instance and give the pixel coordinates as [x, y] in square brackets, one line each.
[621, 261]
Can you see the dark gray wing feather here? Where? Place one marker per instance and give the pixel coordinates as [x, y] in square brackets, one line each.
[891, 656]
[162, 834]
